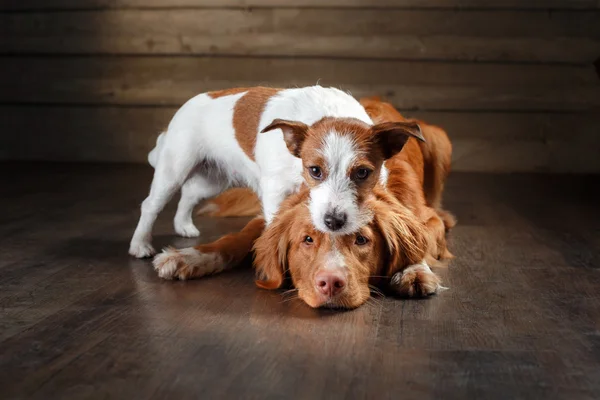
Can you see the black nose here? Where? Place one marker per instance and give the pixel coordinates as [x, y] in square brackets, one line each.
[335, 221]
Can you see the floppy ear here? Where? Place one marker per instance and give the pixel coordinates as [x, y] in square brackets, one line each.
[294, 133]
[392, 136]
[270, 253]
[404, 234]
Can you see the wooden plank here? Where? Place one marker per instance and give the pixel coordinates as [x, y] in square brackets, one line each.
[524, 278]
[451, 4]
[87, 134]
[495, 142]
[172, 81]
[501, 155]
[570, 37]
[518, 142]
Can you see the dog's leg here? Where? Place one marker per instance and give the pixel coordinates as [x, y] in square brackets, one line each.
[168, 178]
[271, 196]
[206, 259]
[196, 188]
[416, 280]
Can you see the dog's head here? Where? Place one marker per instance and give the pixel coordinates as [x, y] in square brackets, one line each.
[336, 270]
[342, 159]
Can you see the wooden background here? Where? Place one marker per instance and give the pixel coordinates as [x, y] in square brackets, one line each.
[513, 81]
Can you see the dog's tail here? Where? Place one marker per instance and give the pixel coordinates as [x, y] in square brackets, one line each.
[155, 152]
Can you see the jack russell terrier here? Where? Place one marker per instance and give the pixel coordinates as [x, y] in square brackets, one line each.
[272, 141]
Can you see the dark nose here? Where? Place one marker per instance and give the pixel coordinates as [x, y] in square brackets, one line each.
[335, 221]
[330, 283]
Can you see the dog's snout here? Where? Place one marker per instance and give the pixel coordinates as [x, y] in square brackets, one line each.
[330, 283]
[335, 221]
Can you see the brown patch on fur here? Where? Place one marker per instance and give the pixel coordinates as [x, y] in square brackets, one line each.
[246, 116]
[430, 160]
[382, 112]
[226, 92]
[236, 202]
[235, 246]
[294, 133]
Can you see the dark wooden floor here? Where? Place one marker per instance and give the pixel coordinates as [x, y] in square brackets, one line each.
[80, 319]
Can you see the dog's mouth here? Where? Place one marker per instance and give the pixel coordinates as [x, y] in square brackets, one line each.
[336, 303]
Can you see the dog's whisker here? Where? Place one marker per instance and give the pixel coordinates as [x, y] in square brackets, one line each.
[288, 292]
[376, 290]
[374, 301]
[289, 298]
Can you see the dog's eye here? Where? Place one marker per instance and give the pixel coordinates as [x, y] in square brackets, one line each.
[361, 240]
[315, 172]
[308, 240]
[362, 173]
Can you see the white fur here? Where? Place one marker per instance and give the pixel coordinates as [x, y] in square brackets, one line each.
[200, 154]
[337, 192]
[422, 266]
[168, 263]
[335, 260]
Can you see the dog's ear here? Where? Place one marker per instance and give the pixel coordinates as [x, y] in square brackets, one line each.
[294, 133]
[392, 136]
[270, 252]
[405, 236]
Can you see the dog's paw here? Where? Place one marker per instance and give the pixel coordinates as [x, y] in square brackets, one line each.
[186, 263]
[415, 281]
[141, 249]
[186, 230]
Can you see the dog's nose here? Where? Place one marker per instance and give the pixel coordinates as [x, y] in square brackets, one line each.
[335, 221]
[330, 283]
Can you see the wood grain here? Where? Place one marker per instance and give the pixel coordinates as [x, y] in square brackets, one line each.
[494, 142]
[436, 4]
[561, 36]
[80, 319]
[172, 81]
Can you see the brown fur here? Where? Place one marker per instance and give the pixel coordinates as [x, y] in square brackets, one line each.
[396, 239]
[230, 244]
[430, 160]
[246, 116]
[226, 92]
[236, 202]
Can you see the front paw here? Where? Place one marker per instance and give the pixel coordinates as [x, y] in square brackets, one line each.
[415, 281]
[186, 263]
[141, 249]
[186, 230]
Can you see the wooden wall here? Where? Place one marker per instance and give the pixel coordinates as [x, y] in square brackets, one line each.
[513, 81]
